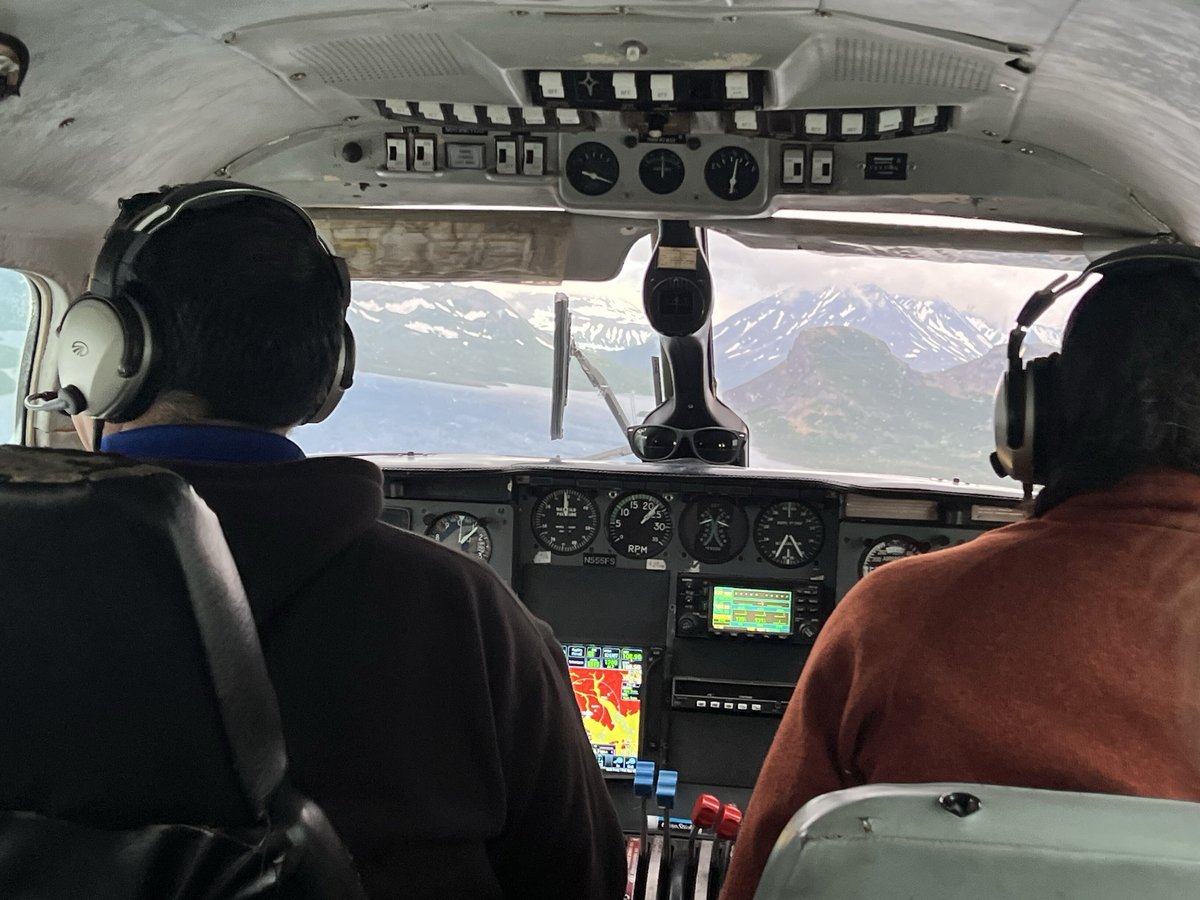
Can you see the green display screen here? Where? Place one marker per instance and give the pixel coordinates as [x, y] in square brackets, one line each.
[747, 610]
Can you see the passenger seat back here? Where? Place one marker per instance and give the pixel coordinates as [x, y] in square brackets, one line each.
[980, 842]
[141, 752]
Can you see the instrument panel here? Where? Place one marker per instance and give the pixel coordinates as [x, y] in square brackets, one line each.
[715, 583]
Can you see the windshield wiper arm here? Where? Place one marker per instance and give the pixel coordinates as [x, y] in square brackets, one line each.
[601, 384]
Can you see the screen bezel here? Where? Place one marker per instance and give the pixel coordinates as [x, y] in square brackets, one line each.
[712, 593]
[648, 653]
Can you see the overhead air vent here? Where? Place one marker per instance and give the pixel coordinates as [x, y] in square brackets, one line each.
[379, 58]
[879, 62]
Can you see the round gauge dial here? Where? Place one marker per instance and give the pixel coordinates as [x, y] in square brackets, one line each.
[789, 534]
[886, 549]
[713, 529]
[565, 521]
[661, 171]
[731, 173]
[639, 525]
[464, 532]
[592, 169]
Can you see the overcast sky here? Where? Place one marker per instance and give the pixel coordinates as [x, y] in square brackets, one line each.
[743, 276]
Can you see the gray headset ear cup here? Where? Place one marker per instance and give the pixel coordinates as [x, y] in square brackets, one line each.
[1016, 402]
[94, 342]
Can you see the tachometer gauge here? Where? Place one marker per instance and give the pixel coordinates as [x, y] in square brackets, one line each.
[731, 173]
[789, 534]
[565, 521]
[592, 169]
[464, 532]
[639, 525]
[886, 549]
[713, 529]
[661, 171]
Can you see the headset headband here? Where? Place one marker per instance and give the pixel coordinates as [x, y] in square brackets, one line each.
[1037, 305]
[144, 214]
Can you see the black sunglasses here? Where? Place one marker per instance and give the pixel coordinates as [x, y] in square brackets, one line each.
[655, 443]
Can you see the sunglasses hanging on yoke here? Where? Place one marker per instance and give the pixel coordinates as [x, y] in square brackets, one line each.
[690, 423]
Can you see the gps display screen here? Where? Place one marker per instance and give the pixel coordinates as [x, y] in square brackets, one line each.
[607, 680]
[749, 610]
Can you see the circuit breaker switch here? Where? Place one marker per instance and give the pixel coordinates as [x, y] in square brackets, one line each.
[822, 167]
[793, 166]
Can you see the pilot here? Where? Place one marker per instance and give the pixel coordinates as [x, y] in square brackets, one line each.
[1060, 652]
[424, 707]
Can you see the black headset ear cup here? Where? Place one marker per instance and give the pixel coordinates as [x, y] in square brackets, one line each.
[343, 377]
[1043, 376]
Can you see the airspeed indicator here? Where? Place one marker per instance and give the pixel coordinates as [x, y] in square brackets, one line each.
[639, 525]
[565, 521]
[789, 534]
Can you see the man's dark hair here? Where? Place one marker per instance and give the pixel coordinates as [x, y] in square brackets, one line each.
[1129, 387]
[243, 303]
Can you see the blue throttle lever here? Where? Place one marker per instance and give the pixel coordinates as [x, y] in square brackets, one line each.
[643, 786]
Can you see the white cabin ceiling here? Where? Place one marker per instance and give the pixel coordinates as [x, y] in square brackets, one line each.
[123, 95]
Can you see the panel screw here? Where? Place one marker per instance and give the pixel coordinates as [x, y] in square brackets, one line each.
[298, 76]
[960, 803]
[990, 133]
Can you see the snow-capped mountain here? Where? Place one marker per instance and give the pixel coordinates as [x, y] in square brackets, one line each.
[445, 332]
[597, 323]
[927, 333]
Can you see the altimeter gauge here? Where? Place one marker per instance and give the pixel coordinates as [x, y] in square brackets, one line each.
[464, 532]
[639, 525]
[789, 534]
[713, 530]
[565, 521]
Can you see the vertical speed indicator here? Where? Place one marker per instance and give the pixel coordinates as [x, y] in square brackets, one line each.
[639, 525]
[565, 521]
[789, 534]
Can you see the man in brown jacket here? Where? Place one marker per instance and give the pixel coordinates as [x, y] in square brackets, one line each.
[1062, 652]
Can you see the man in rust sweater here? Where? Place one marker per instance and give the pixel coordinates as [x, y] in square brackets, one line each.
[1062, 652]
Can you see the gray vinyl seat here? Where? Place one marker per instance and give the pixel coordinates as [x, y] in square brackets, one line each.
[981, 842]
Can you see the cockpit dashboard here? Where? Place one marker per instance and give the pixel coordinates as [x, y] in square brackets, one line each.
[686, 597]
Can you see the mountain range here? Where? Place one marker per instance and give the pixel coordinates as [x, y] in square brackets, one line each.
[842, 378]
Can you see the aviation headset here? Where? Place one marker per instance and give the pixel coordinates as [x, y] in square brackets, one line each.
[106, 348]
[1026, 397]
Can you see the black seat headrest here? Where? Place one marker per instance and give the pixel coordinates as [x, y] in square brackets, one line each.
[132, 686]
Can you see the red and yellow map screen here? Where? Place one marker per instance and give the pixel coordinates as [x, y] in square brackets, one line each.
[608, 688]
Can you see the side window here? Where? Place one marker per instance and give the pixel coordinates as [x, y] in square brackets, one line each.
[16, 323]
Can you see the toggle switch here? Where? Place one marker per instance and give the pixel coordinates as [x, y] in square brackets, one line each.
[822, 167]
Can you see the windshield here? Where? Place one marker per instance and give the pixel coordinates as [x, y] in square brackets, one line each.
[840, 364]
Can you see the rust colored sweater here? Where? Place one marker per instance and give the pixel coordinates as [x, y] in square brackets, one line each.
[1061, 652]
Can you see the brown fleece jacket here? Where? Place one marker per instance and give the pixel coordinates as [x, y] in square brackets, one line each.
[1061, 652]
[424, 707]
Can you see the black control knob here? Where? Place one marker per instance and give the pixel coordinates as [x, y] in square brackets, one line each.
[688, 624]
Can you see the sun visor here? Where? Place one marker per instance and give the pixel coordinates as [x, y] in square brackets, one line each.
[926, 243]
[478, 245]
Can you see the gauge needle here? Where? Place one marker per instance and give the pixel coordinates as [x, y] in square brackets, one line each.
[650, 515]
[595, 177]
[733, 177]
[466, 537]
